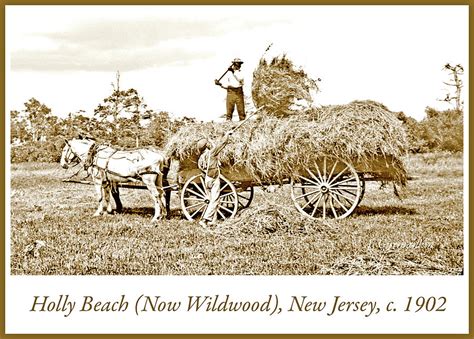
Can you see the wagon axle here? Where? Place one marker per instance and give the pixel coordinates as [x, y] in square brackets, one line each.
[324, 188]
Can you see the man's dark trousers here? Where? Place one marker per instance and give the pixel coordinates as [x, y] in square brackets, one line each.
[235, 97]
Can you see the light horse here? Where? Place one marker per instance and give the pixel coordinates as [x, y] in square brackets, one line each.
[108, 167]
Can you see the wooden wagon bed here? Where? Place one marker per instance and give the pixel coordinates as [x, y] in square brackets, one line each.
[328, 188]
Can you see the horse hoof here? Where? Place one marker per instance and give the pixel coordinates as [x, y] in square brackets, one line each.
[156, 219]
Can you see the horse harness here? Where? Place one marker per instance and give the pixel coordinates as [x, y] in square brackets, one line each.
[92, 159]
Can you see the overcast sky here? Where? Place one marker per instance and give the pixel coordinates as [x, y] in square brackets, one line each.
[67, 56]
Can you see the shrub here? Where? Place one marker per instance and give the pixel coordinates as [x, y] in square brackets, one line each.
[39, 151]
[443, 130]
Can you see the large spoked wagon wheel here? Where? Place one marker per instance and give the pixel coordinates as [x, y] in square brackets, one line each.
[195, 198]
[331, 188]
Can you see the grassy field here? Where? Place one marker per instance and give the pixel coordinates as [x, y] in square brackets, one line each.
[420, 234]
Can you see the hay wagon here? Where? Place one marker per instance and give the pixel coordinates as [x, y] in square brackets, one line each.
[329, 188]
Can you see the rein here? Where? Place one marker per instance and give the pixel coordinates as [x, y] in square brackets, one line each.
[77, 172]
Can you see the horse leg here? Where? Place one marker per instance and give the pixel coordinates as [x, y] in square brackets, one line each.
[168, 203]
[165, 182]
[154, 183]
[100, 195]
[116, 196]
[108, 201]
[163, 198]
[167, 196]
[107, 193]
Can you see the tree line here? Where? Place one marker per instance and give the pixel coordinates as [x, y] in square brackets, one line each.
[122, 120]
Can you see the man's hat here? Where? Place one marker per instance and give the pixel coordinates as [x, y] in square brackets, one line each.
[237, 61]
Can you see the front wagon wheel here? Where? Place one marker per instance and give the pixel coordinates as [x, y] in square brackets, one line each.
[330, 188]
[195, 198]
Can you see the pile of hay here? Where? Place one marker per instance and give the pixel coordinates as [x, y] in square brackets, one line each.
[271, 219]
[270, 149]
[278, 84]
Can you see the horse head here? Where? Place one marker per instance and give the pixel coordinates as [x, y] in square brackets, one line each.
[75, 151]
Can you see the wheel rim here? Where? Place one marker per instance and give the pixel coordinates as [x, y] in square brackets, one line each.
[245, 196]
[362, 187]
[330, 189]
[194, 198]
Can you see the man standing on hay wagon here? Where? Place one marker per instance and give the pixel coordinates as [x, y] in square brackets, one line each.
[233, 82]
[209, 164]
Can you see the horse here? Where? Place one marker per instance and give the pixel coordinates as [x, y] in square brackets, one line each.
[108, 166]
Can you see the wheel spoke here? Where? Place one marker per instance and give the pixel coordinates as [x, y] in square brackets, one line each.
[313, 175]
[192, 199]
[324, 208]
[197, 211]
[306, 194]
[341, 204]
[203, 184]
[319, 173]
[348, 192]
[344, 181]
[342, 195]
[306, 186]
[199, 188]
[224, 187]
[199, 203]
[243, 197]
[226, 194]
[310, 201]
[309, 180]
[324, 168]
[338, 175]
[220, 213]
[332, 207]
[225, 209]
[348, 201]
[346, 187]
[196, 194]
[332, 170]
[316, 205]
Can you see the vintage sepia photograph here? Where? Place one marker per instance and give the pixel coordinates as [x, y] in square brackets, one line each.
[236, 140]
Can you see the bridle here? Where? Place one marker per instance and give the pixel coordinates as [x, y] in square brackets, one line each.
[77, 159]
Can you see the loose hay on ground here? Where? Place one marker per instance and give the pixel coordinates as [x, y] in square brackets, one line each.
[269, 219]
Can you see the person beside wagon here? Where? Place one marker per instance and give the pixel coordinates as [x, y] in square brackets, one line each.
[209, 164]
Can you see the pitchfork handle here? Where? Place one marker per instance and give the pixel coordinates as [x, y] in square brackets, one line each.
[227, 70]
[245, 120]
